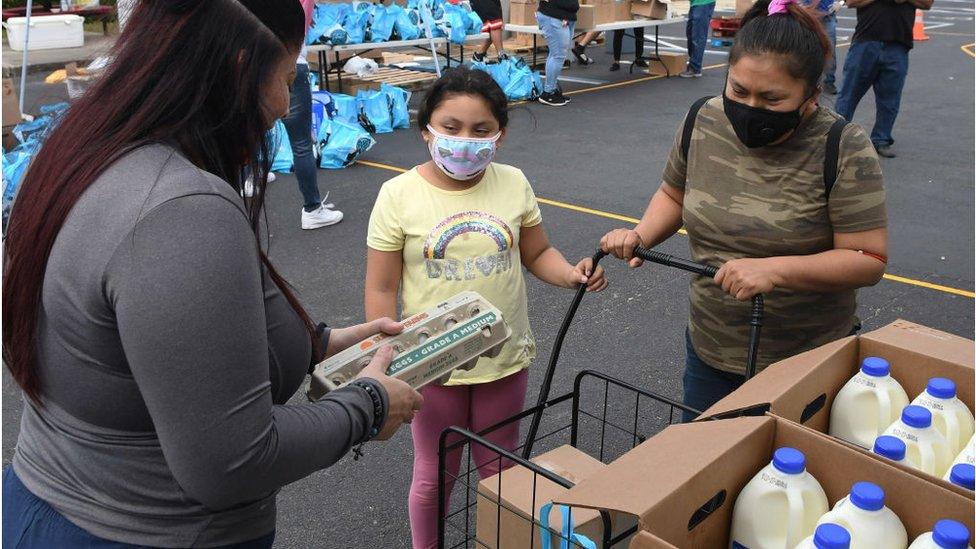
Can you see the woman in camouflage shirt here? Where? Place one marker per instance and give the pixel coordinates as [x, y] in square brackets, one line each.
[750, 190]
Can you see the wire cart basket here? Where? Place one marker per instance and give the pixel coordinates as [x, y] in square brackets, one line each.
[602, 416]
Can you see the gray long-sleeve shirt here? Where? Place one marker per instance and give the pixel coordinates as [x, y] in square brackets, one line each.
[166, 355]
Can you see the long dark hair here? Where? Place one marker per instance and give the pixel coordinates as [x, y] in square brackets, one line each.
[188, 73]
[798, 36]
[464, 80]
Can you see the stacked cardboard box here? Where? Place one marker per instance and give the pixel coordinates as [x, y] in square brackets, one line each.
[603, 11]
[522, 12]
[802, 388]
[11, 112]
[621, 10]
[650, 9]
[681, 485]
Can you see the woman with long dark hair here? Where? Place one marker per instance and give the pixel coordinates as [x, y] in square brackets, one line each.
[153, 339]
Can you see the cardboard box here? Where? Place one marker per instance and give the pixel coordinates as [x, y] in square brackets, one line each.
[586, 17]
[604, 12]
[682, 484]
[621, 10]
[516, 514]
[651, 9]
[802, 388]
[522, 13]
[8, 139]
[11, 103]
[670, 63]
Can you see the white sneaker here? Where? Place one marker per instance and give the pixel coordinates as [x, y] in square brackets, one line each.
[248, 191]
[322, 217]
[326, 203]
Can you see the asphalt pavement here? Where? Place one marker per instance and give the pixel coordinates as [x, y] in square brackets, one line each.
[602, 157]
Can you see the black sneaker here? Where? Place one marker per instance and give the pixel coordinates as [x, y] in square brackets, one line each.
[478, 57]
[830, 89]
[580, 53]
[553, 99]
[640, 62]
[566, 64]
[615, 66]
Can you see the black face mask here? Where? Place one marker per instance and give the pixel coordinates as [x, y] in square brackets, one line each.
[757, 127]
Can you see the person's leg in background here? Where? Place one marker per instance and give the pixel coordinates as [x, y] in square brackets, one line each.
[558, 36]
[618, 46]
[298, 124]
[443, 407]
[830, 69]
[491, 403]
[860, 71]
[639, 60]
[696, 32]
[887, 95]
[704, 385]
[579, 47]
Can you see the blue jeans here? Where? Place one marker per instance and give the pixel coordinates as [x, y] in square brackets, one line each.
[558, 36]
[704, 385]
[830, 27]
[696, 31]
[883, 66]
[298, 124]
[30, 523]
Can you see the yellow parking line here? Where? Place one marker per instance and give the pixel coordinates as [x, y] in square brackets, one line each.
[969, 49]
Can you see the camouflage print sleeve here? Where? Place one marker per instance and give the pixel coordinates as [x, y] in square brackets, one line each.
[857, 202]
[676, 169]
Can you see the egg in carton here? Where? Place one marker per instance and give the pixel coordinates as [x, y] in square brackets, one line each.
[434, 343]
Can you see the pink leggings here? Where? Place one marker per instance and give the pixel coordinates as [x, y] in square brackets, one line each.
[473, 407]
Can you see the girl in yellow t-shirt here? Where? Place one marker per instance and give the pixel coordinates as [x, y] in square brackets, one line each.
[461, 222]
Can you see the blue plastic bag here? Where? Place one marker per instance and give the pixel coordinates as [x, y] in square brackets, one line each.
[514, 77]
[399, 99]
[283, 158]
[382, 20]
[474, 23]
[375, 106]
[454, 23]
[322, 107]
[327, 24]
[357, 22]
[406, 24]
[346, 108]
[341, 144]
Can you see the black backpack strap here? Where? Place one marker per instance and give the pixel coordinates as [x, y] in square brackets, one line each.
[832, 158]
[690, 125]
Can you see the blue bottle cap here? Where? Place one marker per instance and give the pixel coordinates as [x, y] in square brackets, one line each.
[916, 416]
[867, 496]
[940, 387]
[789, 460]
[875, 366]
[963, 474]
[950, 534]
[831, 536]
[890, 447]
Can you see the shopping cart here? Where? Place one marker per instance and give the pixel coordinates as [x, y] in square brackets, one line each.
[593, 424]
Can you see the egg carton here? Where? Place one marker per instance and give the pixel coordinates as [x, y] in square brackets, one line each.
[434, 343]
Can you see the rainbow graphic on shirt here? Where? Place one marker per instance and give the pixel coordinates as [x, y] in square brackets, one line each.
[467, 222]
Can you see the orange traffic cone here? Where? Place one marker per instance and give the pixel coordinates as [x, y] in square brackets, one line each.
[918, 31]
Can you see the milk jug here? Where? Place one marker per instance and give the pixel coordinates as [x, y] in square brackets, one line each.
[827, 536]
[967, 455]
[891, 448]
[963, 474]
[864, 515]
[926, 448]
[949, 415]
[779, 506]
[947, 534]
[867, 404]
